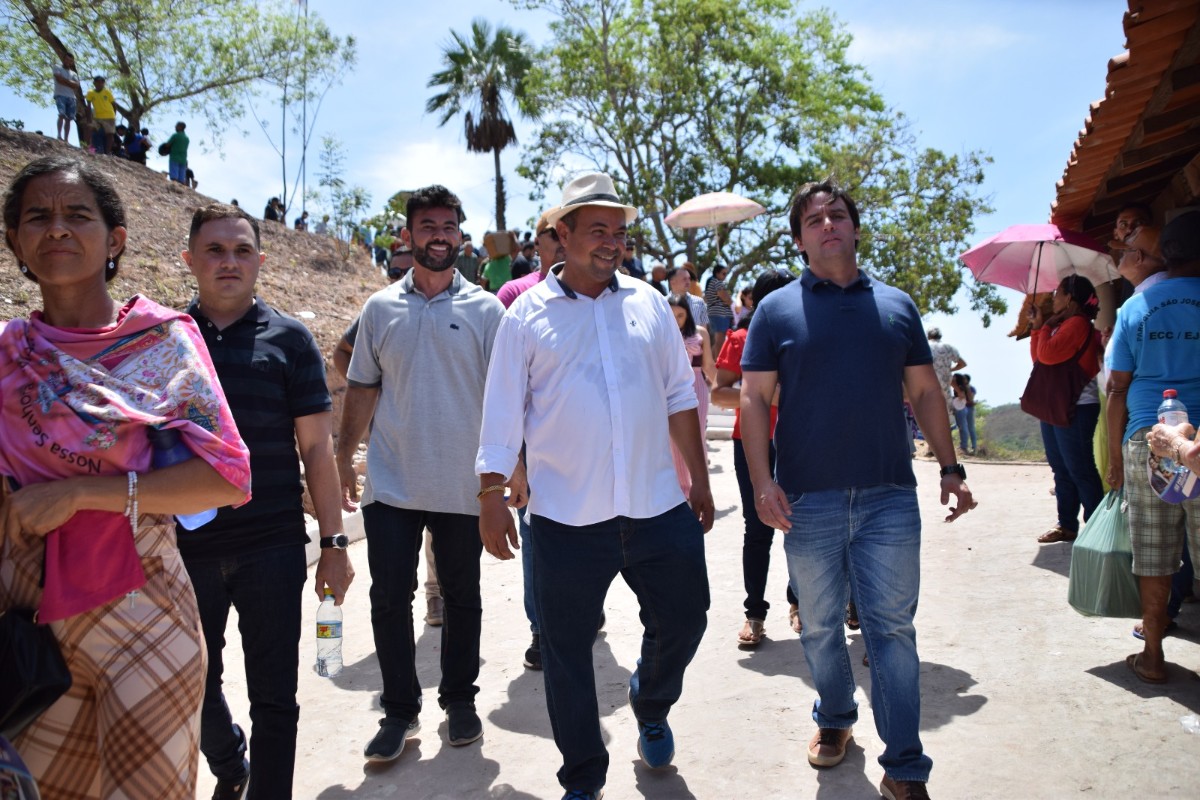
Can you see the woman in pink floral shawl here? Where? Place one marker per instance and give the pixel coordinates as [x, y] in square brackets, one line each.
[81, 382]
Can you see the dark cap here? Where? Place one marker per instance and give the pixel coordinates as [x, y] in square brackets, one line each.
[1180, 239]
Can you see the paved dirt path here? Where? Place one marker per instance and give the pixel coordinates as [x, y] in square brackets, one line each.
[1022, 697]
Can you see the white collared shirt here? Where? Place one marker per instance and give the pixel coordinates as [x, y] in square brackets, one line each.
[587, 385]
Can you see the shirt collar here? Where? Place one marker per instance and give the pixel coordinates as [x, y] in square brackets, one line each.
[256, 313]
[812, 283]
[408, 287]
[562, 288]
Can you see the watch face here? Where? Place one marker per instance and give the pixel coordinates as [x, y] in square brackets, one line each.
[341, 540]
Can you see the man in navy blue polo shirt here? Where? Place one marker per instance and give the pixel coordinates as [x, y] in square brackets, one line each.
[842, 347]
[252, 557]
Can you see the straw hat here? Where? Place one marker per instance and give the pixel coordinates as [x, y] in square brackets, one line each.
[591, 189]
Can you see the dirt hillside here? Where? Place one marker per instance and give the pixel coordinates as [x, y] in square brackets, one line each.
[303, 271]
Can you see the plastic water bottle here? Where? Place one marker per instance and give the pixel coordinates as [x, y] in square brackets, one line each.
[1171, 412]
[329, 637]
[167, 449]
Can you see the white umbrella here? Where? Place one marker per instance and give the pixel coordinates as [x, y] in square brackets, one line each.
[712, 209]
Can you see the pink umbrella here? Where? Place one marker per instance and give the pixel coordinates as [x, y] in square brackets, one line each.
[1035, 258]
[713, 209]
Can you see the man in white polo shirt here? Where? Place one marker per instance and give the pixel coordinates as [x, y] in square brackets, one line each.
[589, 372]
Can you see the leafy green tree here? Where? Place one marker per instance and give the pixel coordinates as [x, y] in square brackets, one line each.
[344, 204]
[476, 76]
[199, 55]
[675, 98]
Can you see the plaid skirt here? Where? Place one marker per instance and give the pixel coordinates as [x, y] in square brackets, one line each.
[130, 725]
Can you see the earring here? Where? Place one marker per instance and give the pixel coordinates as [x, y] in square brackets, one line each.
[24, 269]
[111, 265]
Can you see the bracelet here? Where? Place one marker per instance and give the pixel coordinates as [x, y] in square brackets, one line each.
[1179, 443]
[498, 487]
[131, 503]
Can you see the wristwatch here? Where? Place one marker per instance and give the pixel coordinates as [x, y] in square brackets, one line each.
[337, 542]
[954, 469]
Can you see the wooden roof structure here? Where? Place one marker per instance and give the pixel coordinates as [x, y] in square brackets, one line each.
[1141, 142]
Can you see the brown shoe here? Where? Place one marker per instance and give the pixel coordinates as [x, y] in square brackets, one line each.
[903, 790]
[1057, 534]
[828, 746]
[434, 611]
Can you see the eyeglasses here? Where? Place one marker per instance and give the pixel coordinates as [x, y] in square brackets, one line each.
[553, 234]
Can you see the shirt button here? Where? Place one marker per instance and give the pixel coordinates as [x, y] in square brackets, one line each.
[218, 337]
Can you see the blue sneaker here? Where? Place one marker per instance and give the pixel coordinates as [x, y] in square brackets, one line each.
[656, 744]
[579, 794]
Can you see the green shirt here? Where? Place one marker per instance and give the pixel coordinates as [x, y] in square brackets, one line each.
[498, 272]
[179, 147]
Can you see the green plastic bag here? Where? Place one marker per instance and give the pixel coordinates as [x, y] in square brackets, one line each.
[1102, 582]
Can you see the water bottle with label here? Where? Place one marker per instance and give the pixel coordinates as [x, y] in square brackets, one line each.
[1171, 412]
[329, 637]
[166, 449]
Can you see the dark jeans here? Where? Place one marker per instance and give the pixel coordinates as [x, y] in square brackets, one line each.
[393, 547]
[527, 571]
[756, 545]
[1076, 479]
[265, 588]
[662, 560]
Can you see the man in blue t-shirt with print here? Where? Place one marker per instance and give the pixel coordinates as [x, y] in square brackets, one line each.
[834, 335]
[1156, 346]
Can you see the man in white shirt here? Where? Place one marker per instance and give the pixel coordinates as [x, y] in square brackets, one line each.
[589, 372]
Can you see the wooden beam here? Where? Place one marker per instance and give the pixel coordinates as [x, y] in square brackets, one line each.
[1188, 141]
[1169, 119]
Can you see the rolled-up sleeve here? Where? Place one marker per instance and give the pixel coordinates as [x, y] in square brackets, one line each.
[503, 428]
[680, 380]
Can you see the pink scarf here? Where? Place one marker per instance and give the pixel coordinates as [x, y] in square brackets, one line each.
[77, 402]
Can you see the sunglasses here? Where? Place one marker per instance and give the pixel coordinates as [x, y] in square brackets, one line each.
[553, 234]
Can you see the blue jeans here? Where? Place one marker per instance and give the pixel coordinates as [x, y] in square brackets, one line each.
[527, 572]
[393, 547]
[265, 588]
[965, 419]
[1076, 479]
[756, 543]
[865, 540]
[177, 171]
[662, 561]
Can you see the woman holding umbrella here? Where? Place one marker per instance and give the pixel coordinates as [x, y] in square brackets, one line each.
[1068, 334]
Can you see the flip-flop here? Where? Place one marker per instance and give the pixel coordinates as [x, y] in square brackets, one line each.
[1134, 662]
[751, 635]
[1138, 634]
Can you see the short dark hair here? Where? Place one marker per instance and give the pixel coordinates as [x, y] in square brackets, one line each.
[673, 271]
[681, 301]
[214, 211]
[435, 196]
[108, 201]
[804, 196]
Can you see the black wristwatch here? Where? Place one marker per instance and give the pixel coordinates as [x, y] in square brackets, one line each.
[954, 469]
[338, 542]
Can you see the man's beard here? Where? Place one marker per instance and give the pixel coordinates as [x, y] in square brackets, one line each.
[426, 261]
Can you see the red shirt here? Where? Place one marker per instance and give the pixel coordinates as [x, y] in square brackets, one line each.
[730, 359]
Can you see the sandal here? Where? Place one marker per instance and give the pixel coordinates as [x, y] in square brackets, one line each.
[752, 634]
[852, 617]
[794, 618]
[1134, 662]
[1057, 534]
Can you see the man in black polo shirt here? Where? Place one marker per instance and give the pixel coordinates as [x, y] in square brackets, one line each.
[252, 557]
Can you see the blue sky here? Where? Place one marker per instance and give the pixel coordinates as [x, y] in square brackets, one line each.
[1013, 78]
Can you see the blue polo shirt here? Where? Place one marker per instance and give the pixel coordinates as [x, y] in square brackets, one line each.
[840, 354]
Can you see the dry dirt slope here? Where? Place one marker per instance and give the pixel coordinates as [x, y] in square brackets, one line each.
[303, 271]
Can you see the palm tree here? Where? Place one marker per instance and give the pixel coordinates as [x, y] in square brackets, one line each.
[477, 75]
